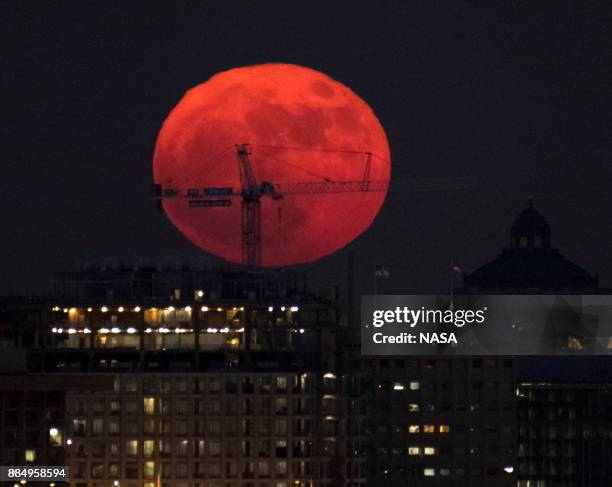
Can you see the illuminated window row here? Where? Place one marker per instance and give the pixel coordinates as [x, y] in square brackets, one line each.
[398, 386]
[427, 450]
[431, 472]
[217, 384]
[132, 330]
[137, 309]
[474, 472]
[428, 428]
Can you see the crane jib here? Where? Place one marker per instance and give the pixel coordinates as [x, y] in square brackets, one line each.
[218, 191]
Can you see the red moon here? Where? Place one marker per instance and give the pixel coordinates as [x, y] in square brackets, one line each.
[301, 126]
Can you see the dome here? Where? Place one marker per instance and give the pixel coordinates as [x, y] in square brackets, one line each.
[530, 229]
[522, 269]
[530, 262]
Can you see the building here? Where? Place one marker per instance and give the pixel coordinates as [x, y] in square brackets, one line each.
[530, 264]
[564, 434]
[463, 421]
[440, 421]
[181, 377]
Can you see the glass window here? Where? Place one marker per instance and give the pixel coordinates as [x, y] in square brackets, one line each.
[79, 427]
[281, 405]
[97, 427]
[131, 406]
[148, 426]
[113, 448]
[280, 427]
[264, 468]
[131, 470]
[148, 405]
[131, 385]
[281, 468]
[182, 386]
[215, 448]
[131, 447]
[115, 406]
[149, 469]
[97, 470]
[148, 446]
[281, 384]
[214, 385]
[182, 407]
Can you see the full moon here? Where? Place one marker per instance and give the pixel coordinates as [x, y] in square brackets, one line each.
[300, 126]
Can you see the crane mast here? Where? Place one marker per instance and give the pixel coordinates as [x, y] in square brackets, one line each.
[251, 209]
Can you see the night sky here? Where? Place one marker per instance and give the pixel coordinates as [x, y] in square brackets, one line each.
[516, 94]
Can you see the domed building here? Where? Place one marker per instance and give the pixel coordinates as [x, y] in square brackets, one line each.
[554, 390]
[530, 263]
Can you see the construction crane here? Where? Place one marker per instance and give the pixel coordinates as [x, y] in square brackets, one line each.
[252, 191]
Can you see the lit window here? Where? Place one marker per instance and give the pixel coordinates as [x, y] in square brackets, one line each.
[55, 436]
[429, 450]
[30, 455]
[429, 472]
[413, 428]
[281, 383]
[444, 428]
[113, 469]
[131, 447]
[149, 405]
[148, 447]
[281, 468]
[413, 408]
[429, 428]
[398, 387]
[149, 469]
[414, 450]
[264, 468]
[574, 343]
[415, 386]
